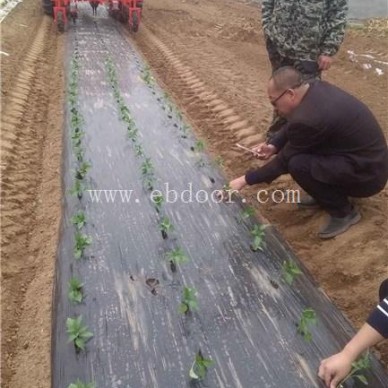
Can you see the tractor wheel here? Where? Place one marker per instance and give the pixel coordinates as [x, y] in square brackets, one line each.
[135, 22]
[60, 22]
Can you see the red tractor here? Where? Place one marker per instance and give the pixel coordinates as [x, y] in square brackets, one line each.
[126, 11]
[62, 9]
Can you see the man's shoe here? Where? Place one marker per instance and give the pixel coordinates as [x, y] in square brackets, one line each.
[336, 225]
[308, 202]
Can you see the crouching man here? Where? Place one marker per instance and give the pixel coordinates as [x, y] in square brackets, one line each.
[332, 146]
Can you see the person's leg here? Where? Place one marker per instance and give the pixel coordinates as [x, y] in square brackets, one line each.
[274, 57]
[333, 198]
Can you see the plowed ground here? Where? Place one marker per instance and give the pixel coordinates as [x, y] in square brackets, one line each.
[32, 90]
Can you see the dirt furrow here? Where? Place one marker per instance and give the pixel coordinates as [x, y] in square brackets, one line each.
[30, 166]
[203, 105]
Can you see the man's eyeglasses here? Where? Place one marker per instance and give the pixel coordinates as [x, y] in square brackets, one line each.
[273, 102]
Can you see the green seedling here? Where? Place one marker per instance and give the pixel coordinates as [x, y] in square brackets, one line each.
[219, 161]
[73, 86]
[176, 256]
[147, 167]
[82, 170]
[147, 77]
[76, 120]
[290, 271]
[139, 150]
[126, 117]
[110, 68]
[73, 89]
[200, 163]
[225, 194]
[81, 243]
[72, 100]
[116, 91]
[131, 125]
[125, 114]
[158, 201]
[77, 136]
[199, 146]
[73, 79]
[73, 96]
[149, 183]
[132, 131]
[75, 293]
[184, 128]
[73, 110]
[78, 333]
[247, 213]
[356, 372]
[81, 384]
[77, 189]
[226, 188]
[200, 366]
[113, 81]
[189, 301]
[307, 319]
[118, 97]
[74, 61]
[165, 227]
[79, 153]
[79, 220]
[258, 233]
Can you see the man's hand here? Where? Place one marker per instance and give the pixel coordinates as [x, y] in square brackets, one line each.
[238, 183]
[324, 62]
[264, 151]
[333, 369]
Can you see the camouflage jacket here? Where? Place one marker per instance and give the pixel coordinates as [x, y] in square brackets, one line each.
[305, 29]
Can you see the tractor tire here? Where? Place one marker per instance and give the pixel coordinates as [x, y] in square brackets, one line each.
[48, 7]
[135, 22]
[60, 22]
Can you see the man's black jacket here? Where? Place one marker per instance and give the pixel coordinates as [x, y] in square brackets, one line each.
[338, 129]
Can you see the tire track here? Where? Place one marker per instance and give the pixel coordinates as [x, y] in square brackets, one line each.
[30, 186]
[19, 143]
[204, 106]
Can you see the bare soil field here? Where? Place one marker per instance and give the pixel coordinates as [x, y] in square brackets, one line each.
[32, 89]
[210, 57]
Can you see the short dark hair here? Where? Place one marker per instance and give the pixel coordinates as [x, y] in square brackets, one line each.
[287, 77]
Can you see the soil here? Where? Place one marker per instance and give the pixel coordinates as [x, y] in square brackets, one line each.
[210, 57]
[32, 88]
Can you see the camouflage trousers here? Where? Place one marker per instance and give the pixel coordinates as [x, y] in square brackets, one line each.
[308, 69]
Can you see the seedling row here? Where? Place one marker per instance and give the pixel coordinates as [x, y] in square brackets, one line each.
[78, 332]
[176, 256]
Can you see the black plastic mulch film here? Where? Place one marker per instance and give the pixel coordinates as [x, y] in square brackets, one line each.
[247, 315]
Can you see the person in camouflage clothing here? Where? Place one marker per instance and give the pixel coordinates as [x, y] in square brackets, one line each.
[305, 34]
